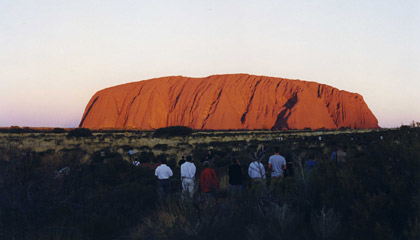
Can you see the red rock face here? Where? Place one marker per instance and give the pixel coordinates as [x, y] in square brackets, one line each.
[234, 101]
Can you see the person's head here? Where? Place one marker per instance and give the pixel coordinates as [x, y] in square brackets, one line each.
[183, 157]
[189, 158]
[206, 164]
[235, 161]
[163, 161]
[182, 161]
[209, 152]
[340, 147]
[276, 149]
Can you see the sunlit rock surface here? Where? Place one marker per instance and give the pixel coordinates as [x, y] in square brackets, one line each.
[233, 101]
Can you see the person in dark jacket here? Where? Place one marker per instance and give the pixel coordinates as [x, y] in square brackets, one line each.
[235, 176]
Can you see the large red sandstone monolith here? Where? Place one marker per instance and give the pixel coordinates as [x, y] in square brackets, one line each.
[233, 101]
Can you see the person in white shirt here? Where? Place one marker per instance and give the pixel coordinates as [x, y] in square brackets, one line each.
[163, 172]
[277, 164]
[187, 177]
[256, 171]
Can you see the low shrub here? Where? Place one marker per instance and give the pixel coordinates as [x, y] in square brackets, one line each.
[145, 157]
[59, 130]
[80, 132]
[174, 131]
[91, 201]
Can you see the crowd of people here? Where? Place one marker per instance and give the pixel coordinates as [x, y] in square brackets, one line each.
[209, 182]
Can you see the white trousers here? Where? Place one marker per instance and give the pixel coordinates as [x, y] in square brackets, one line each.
[188, 187]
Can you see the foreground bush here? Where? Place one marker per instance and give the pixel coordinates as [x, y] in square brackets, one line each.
[87, 201]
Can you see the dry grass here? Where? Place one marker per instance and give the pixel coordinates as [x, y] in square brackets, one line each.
[41, 142]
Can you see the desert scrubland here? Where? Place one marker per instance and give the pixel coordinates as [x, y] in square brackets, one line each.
[120, 141]
[58, 186]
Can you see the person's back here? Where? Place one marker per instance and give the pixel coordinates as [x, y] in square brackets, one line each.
[188, 170]
[256, 170]
[277, 163]
[208, 179]
[341, 156]
[235, 177]
[163, 172]
[310, 164]
[235, 174]
[187, 177]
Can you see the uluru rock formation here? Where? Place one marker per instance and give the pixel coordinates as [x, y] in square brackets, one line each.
[232, 101]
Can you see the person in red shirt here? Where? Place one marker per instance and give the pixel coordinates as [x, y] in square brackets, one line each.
[209, 182]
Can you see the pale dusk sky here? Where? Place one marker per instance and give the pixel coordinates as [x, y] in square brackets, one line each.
[54, 55]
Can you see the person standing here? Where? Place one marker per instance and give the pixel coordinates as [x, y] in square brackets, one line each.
[163, 172]
[130, 154]
[210, 157]
[209, 182]
[182, 161]
[235, 176]
[339, 156]
[256, 172]
[277, 164]
[310, 163]
[187, 177]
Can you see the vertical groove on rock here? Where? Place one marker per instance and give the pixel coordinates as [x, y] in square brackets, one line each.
[131, 105]
[212, 108]
[116, 106]
[128, 110]
[87, 112]
[248, 106]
